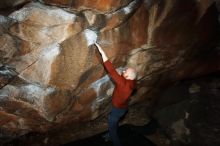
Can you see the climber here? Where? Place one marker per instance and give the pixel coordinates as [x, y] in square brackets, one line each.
[124, 86]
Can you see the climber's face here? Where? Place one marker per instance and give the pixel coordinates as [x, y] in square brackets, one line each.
[129, 74]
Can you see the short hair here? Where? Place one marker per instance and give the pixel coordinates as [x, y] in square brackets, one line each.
[133, 73]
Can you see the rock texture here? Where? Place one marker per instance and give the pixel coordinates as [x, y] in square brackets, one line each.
[196, 112]
[102, 6]
[53, 80]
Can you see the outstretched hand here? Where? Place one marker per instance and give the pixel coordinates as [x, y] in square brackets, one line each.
[101, 51]
[98, 46]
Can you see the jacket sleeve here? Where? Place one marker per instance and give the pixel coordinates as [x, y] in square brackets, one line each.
[118, 79]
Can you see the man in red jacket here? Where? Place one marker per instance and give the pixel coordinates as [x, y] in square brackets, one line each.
[124, 86]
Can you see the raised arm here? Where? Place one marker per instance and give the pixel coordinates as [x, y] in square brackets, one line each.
[104, 56]
[110, 68]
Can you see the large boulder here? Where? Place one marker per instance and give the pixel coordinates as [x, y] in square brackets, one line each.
[52, 78]
[102, 6]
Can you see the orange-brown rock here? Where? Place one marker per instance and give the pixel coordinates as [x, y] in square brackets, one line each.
[97, 5]
[52, 78]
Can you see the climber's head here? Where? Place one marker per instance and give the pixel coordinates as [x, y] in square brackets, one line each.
[130, 73]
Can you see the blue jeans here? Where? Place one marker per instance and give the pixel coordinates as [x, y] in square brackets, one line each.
[113, 120]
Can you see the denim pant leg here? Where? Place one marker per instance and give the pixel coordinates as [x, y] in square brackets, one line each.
[113, 121]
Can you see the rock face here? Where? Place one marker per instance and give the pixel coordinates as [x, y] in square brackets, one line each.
[196, 113]
[102, 6]
[52, 78]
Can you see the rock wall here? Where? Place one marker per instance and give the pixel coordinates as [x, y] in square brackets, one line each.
[52, 79]
[195, 119]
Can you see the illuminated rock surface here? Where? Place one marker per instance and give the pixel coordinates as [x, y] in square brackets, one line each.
[51, 78]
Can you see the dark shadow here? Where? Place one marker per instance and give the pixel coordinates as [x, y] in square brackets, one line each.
[129, 135]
